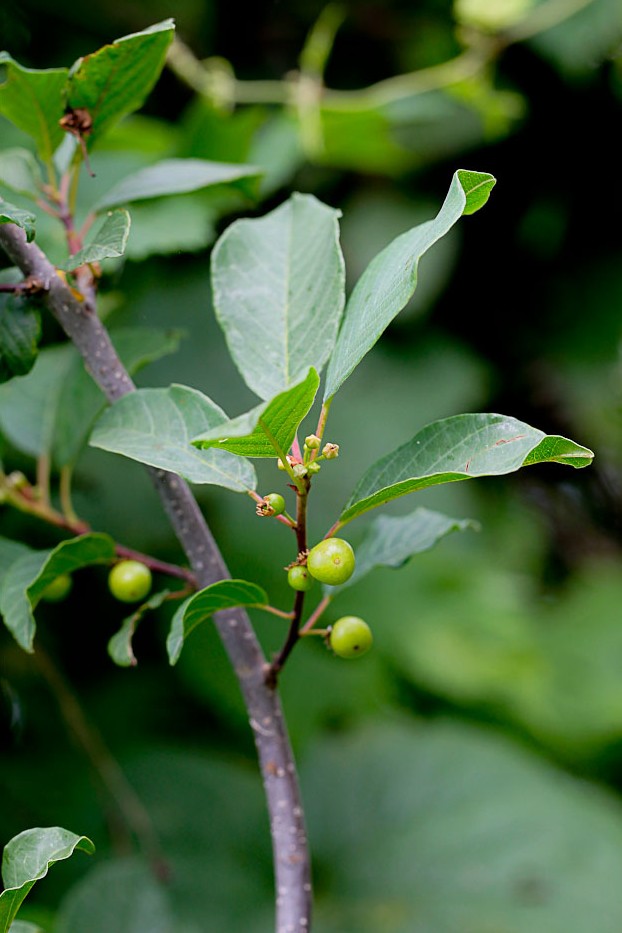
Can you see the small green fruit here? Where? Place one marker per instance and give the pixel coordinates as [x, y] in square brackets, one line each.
[350, 637]
[272, 504]
[58, 589]
[129, 581]
[276, 502]
[299, 578]
[331, 561]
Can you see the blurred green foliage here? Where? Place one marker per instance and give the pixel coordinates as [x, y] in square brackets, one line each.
[442, 771]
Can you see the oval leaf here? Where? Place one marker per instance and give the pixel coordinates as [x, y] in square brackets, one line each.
[116, 80]
[108, 242]
[27, 858]
[155, 426]
[178, 176]
[389, 282]
[461, 447]
[278, 284]
[27, 577]
[267, 430]
[390, 542]
[225, 594]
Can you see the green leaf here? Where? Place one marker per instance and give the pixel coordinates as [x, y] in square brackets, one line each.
[53, 409]
[19, 171]
[278, 284]
[120, 645]
[390, 542]
[390, 280]
[155, 426]
[124, 888]
[267, 430]
[33, 101]
[165, 226]
[457, 448]
[27, 858]
[225, 594]
[27, 577]
[20, 329]
[108, 242]
[9, 214]
[28, 405]
[179, 176]
[463, 830]
[116, 80]
[10, 551]
[81, 400]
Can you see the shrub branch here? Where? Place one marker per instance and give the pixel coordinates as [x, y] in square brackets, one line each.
[290, 850]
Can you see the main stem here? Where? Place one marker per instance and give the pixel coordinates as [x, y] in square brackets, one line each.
[289, 840]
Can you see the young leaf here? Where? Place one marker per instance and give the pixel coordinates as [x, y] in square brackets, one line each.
[115, 80]
[20, 329]
[33, 101]
[390, 542]
[9, 214]
[27, 858]
[155, 426]
[120, 645]
[267, 430]
[226, 594]
[27, 577]
[278, 284]
[179, 176]
[108, 242]
[461, 447]
[19, 171]
[390, 280]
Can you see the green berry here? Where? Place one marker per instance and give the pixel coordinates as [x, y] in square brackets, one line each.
[331, 561]
[299, 578]
[58, 589]
[350, 637]
[272, 504]
[129, 581]
[276, 502]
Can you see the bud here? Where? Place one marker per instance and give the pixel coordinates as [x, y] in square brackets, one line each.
[313, 467]
[312, 442]
[330, 451]
[281, 465]
[300, 470]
